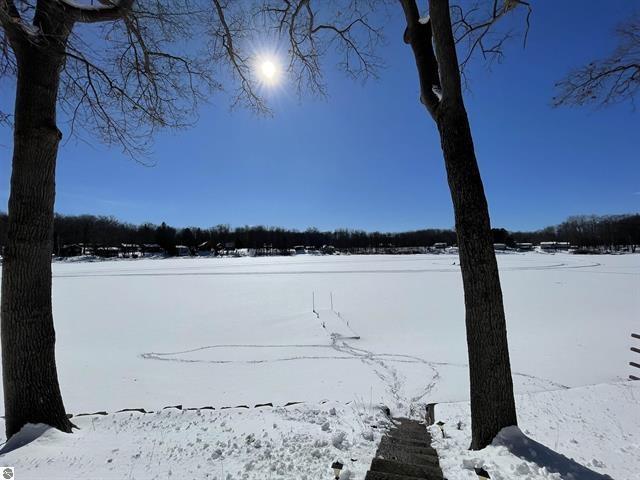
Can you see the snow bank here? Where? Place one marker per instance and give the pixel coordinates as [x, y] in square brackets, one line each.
[297, 442]
[582, 433]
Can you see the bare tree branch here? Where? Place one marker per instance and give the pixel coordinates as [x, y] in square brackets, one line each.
[613, 79]
[10, 7]
[418, 34]
[6, 119]
[109, 10]
[227, 33]
[7, 57]
[123, 80]
[145, 79]
[16, 30]
[474, 28]
[311, 29]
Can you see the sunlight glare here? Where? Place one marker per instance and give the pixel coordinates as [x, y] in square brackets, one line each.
[268, 71]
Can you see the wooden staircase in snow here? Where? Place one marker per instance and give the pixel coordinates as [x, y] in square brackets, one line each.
[405, 453]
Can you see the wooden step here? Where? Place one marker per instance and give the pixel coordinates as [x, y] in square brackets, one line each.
[403, 456]
[405, 453]
[398, 468]
[387, 443]
[410, 433]
[371, 475]
[409, 442]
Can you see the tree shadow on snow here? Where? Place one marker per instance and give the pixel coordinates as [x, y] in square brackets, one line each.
[26, 435]
[527, 449]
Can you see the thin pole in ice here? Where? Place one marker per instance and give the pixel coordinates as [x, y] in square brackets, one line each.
[313, 302]
[331, 294]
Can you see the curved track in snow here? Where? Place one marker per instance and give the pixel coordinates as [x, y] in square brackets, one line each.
[381, 364]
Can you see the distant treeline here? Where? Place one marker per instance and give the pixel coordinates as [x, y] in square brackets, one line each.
[582, 231]
[588, 231]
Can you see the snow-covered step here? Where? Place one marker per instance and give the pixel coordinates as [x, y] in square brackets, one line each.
[399, 468]
[400, 453]
[405, 453]
[408, 441]
[373, 475]
[425, 449]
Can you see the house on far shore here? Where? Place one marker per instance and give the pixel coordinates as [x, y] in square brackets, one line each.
[554, 246]
[500, 247]
[152, 248]
[439, 245]
[229, 248]
[130, 250]
[205, 248]
[328, 249]
[299, 250]
[107, 252]
[182, 251]
[548, 246]
[524, 247]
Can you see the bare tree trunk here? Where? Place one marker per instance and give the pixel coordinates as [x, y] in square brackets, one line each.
[491, 384]
[31, 390]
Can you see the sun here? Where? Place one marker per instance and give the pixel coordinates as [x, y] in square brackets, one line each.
[268, 71]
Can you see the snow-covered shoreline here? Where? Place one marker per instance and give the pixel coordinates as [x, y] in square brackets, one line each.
[242, 331]
[592, 431]
[598, 426]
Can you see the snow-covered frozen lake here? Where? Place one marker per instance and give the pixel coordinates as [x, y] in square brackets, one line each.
[226, 332]
[229, 332]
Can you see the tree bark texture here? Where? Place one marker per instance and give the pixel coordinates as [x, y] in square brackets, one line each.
[31, 389]
[491, 384]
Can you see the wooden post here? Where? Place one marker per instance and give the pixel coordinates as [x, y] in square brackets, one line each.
[431, 413]
[634, 364]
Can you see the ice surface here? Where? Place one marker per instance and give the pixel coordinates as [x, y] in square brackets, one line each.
[150, 333]
[227, 332]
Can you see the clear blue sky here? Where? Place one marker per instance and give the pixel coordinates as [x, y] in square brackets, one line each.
[369, 157]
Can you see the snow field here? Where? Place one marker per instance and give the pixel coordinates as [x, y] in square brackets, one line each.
[228, 332]
[597, 426]
[294, 442]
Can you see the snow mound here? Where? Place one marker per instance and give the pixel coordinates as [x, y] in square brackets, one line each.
[587, 433]
[277, 443]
